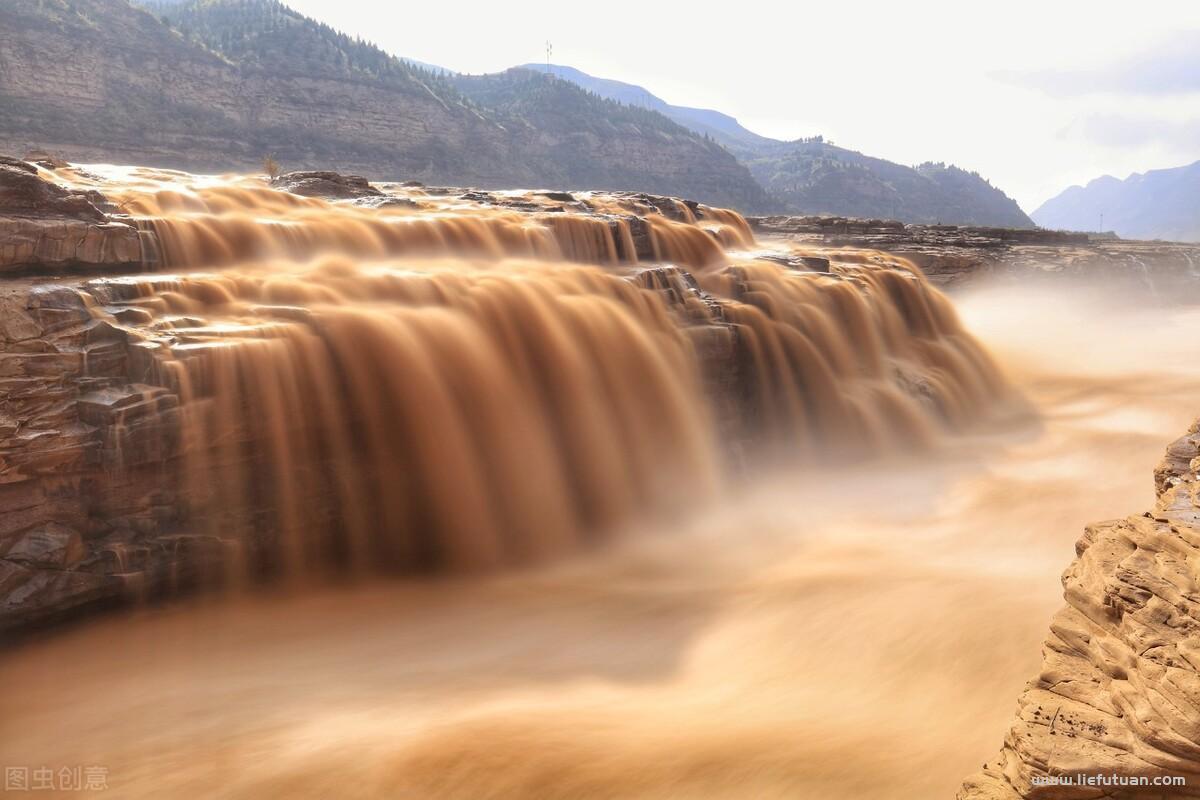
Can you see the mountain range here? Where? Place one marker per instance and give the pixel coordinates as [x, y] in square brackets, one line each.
[1160, 204]
[215, 85]
[813, 176]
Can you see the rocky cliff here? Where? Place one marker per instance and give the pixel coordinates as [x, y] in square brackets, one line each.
[44, 226]
[1115, 711]
[120, 409]
[103, 81]
[93, 497]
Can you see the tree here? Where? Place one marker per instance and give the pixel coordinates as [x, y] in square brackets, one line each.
[271, 166]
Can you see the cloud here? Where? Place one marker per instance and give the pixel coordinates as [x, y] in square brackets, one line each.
[1171, 67]
[1128, 131]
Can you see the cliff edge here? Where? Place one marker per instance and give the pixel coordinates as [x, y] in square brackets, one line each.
[1115, 711]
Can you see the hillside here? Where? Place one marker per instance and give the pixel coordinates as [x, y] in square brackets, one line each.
[811, 176]
[213, 85]
[1160, 204]
[583, 139]
[814, 177]
[722, 127]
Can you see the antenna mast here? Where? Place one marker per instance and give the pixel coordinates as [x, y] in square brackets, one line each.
[549, 50]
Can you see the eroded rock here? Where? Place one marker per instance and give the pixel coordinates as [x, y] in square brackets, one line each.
[330, 185]
[23, 192]
[51, 546]
[1119, 691]
[44, 226]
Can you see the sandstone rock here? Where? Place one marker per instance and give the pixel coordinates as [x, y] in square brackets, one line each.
[9, 161]
[953, 255]
[41, 595]
[51, 545]
[1119, 691]
[44, 226]
[330, 185]
[23, 192]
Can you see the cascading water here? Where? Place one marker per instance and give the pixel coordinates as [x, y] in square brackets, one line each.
[833, 578]
[426, 382]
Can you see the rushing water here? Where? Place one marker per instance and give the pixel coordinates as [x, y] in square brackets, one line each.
[809, 629]
[459, 382]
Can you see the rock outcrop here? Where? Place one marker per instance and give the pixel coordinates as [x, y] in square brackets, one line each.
[955, 255]
[98, 503]
[44, 226]
[1118, 697]
[329, 185]
[82, 448]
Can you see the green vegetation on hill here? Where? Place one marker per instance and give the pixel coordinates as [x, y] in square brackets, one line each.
[214, 85]
[812, 176]
[266, 35]
[594, 142]
[561, 106]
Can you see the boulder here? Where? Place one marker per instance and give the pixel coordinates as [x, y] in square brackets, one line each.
[23, 192]
[46, 227]
[51, 546]
[329, 185]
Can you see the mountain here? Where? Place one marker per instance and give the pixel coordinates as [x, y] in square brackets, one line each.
[812, 176]
[722, 127]
[1160, 204]
[586, 140]
[214, 85]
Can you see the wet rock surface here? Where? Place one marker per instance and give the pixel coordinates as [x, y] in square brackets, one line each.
[330, 185]
[1119, 691]
[85, 452]
[91, 502]
[44, 226]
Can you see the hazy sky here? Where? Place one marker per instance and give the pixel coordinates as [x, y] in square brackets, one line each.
[1035, 95]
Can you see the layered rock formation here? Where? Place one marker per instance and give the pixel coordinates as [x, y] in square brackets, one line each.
[44, 226]
[956, 255]
[107, 383]
[1115, 711]
[82, 449]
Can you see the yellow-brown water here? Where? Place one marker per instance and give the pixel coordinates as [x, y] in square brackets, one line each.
[810, 630]
[459, 381]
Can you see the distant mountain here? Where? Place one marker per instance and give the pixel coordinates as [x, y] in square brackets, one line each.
[722, 127]
[588, 141]
[216, 84]
[812, 176]
[1160, 204]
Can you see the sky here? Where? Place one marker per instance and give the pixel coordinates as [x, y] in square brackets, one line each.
[1034, 95]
